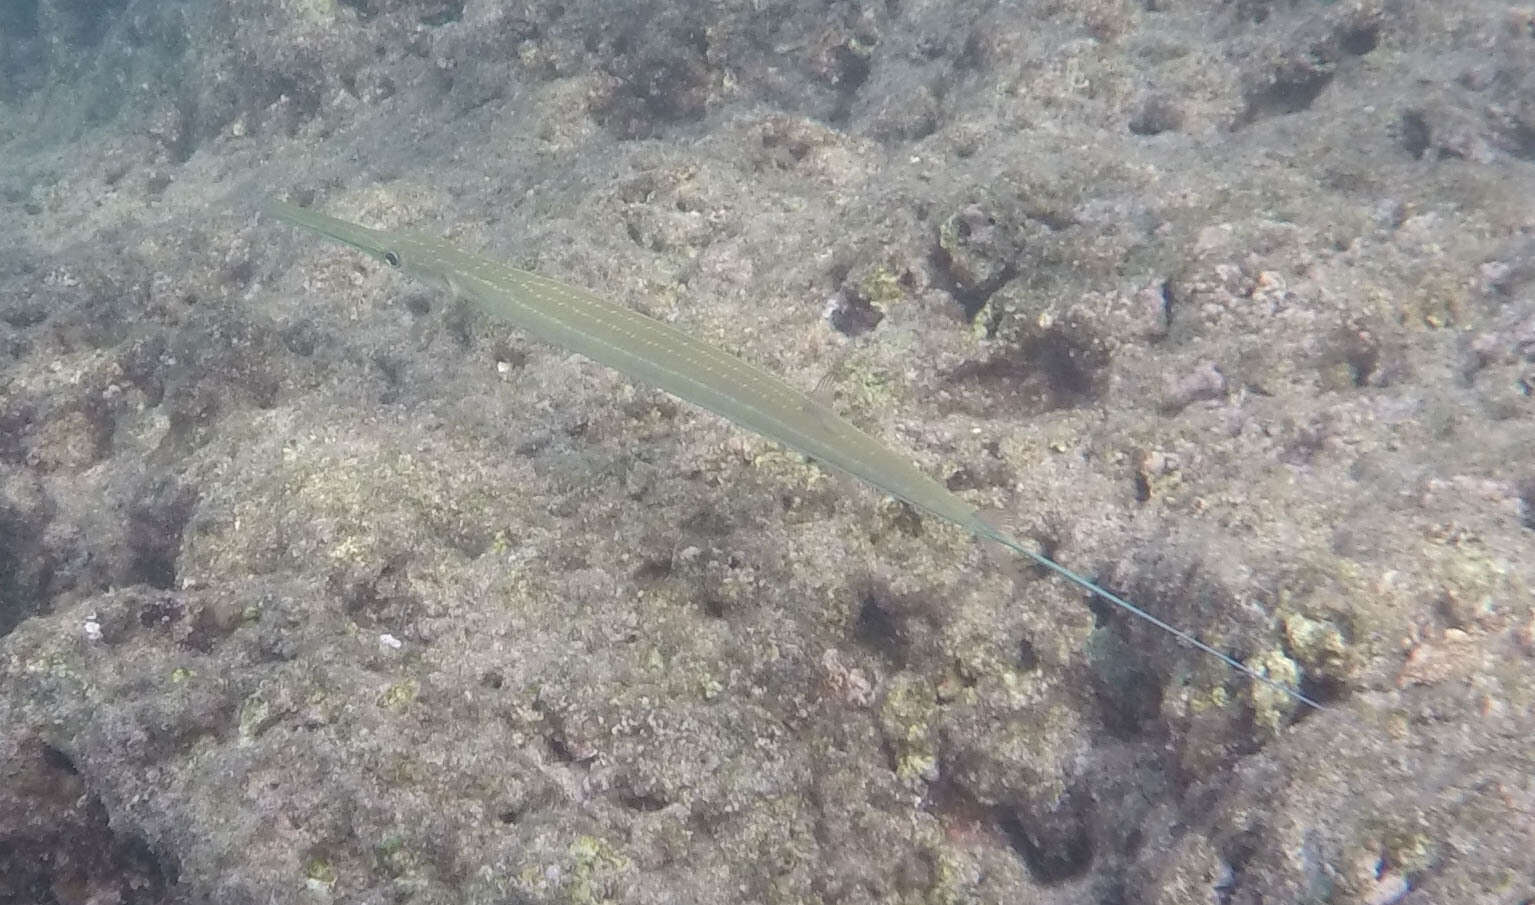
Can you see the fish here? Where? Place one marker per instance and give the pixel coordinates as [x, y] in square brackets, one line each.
[670, 359]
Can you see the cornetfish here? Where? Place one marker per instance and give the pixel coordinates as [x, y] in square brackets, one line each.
[663, 356]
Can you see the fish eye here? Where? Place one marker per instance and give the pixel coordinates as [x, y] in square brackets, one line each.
[392, 259]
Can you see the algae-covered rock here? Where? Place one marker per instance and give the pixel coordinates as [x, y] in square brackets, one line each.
[316, 585]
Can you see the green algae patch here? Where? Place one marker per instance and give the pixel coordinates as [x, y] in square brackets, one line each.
[313, 13]
[595, 871]
[400, 696]
[1271, 708]
[1315, 643]
[255, 718]
[319, 873]
[880, 287]
[906, 716]
[393, 858]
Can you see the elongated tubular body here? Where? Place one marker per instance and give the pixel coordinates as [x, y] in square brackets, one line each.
[668, 358]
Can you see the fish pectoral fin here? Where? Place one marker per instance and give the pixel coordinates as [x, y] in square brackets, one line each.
[823, 387]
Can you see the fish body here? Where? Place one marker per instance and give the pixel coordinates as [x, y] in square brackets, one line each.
[670, 359]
